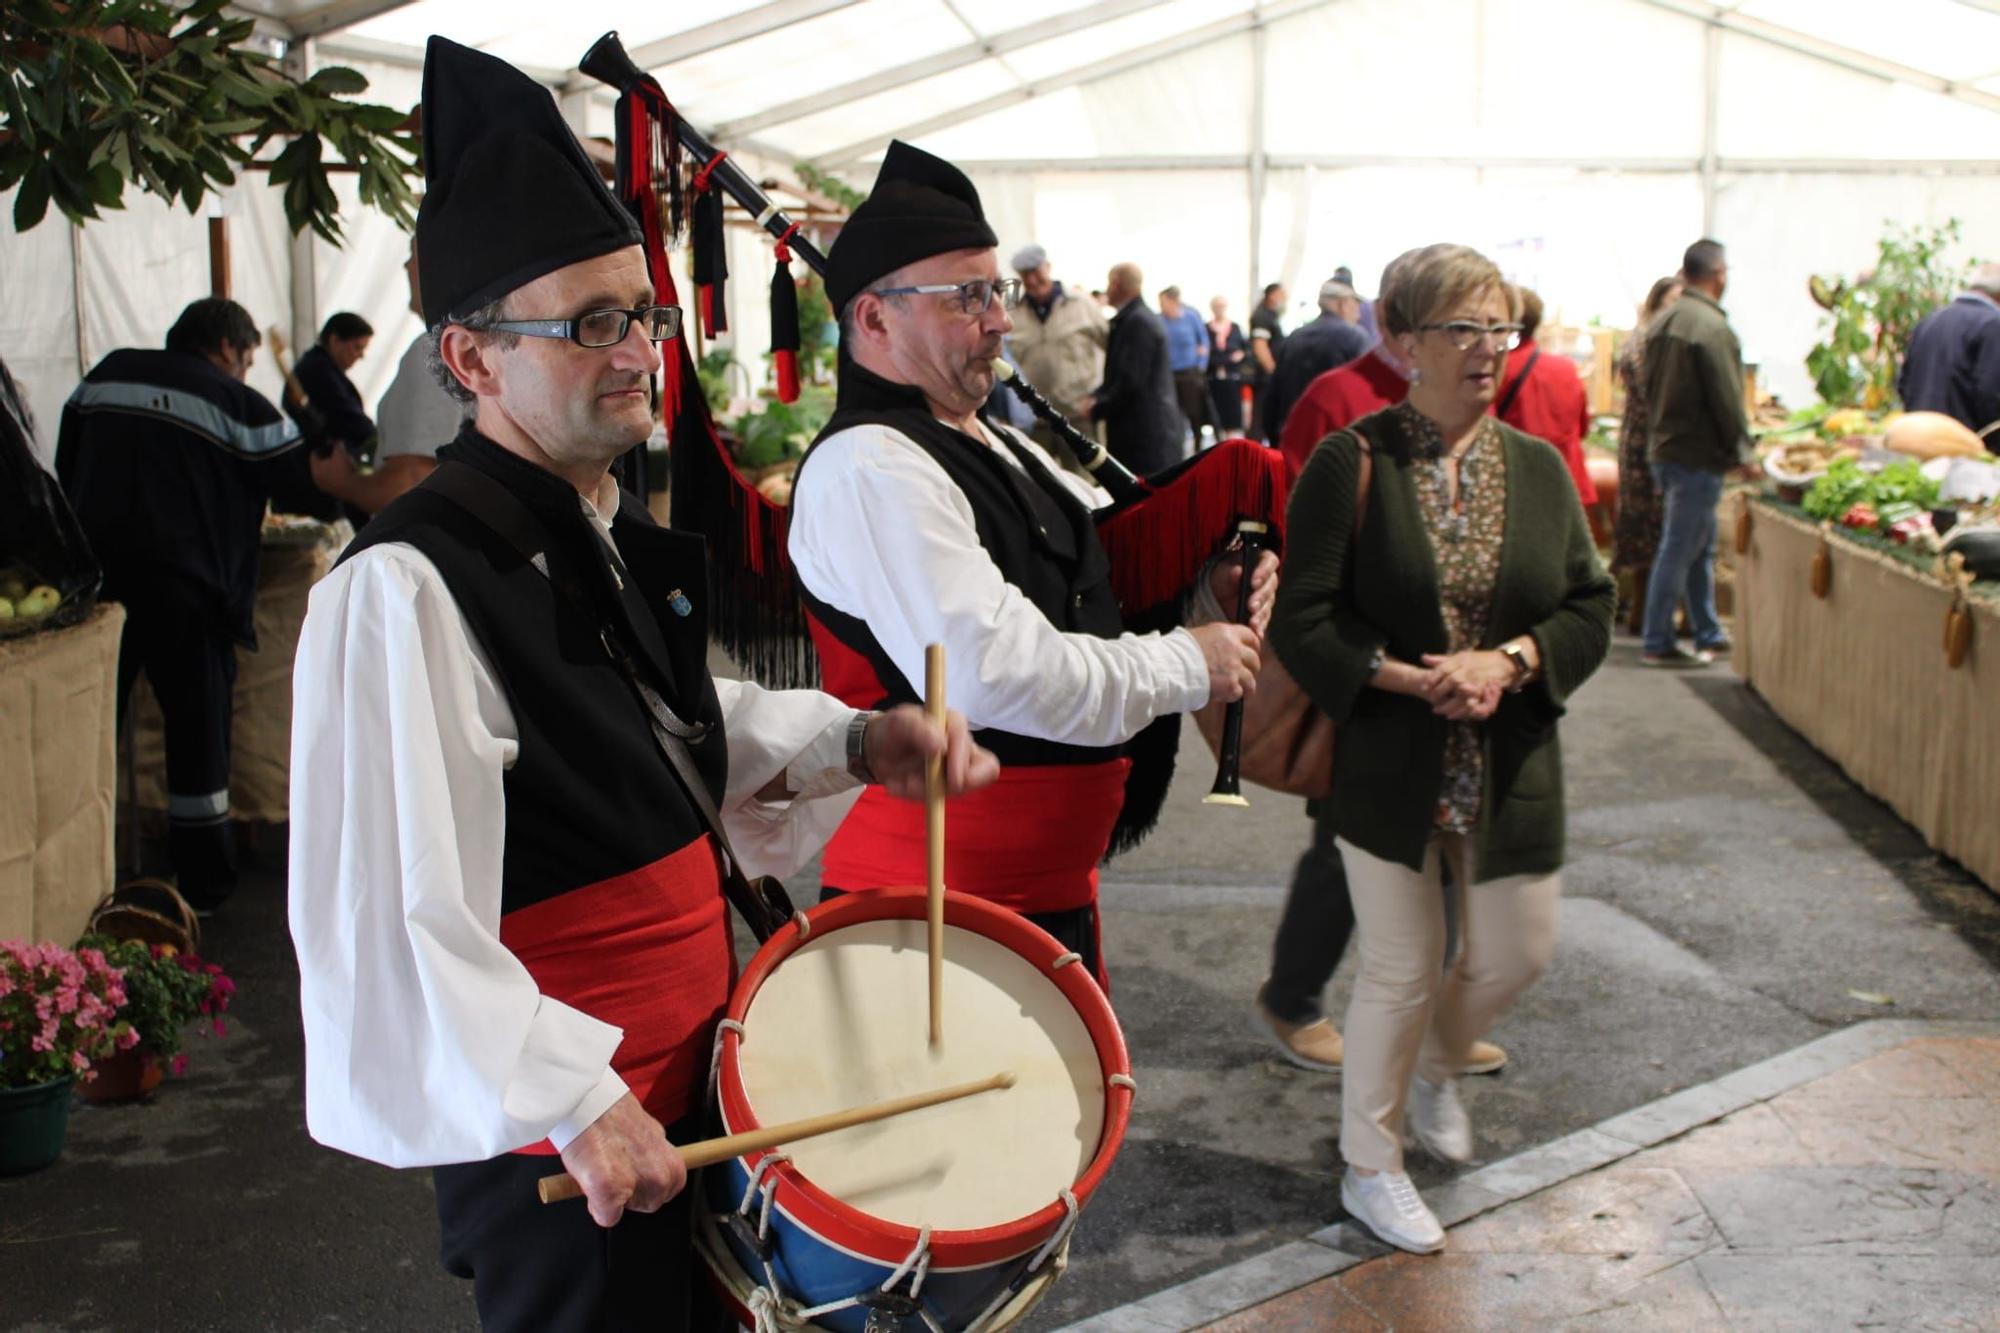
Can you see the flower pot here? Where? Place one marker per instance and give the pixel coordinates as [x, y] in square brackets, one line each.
[124, 1077]
[32, 1123]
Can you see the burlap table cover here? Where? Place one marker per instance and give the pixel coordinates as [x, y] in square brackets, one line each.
[58, 760]
[1862, 675]
[260, 741]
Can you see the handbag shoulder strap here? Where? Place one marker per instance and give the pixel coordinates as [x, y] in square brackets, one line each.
[1514, 389]
[763, 906]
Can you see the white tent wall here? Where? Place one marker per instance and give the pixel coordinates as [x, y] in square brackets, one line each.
[1568, 138]
[38, 317]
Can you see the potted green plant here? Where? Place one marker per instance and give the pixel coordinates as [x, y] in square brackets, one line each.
[58, 1014]
[165, 991]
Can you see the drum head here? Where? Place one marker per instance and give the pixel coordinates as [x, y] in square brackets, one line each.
[845, 1021]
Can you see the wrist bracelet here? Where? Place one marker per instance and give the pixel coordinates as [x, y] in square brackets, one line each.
[857, 746]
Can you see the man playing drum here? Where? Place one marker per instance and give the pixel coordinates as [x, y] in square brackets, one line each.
[505, 892]
[917, 520]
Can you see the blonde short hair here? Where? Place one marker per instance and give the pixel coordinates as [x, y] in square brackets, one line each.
[1434, 279]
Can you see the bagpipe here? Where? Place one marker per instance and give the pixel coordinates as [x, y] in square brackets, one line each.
[1159, 533]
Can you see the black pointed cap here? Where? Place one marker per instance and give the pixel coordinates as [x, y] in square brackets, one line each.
[921, 206]
[509, 194]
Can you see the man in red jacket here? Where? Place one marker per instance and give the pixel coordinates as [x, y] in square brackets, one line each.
[1342, 396]
[1544, 396]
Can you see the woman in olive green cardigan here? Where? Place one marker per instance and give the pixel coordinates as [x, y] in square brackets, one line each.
[1442, 638]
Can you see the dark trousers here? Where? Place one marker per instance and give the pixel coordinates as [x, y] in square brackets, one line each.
[1225, 397]
[1075, 930]
[1312, 934]
[550, 1269]
[171, 634]
[1191, 390]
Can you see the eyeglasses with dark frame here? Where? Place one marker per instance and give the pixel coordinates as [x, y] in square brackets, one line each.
[1464, 333]
[974, 298]
[600, 328]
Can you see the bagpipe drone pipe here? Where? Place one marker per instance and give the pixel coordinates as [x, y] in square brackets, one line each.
[1160, 534]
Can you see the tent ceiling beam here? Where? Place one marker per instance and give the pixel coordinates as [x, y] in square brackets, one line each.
[958, 57]
[1629, 166]
[1137, 58]
[1832, 53]
[1983, 6]
[323, 19]
[726, 32]
[352, 46]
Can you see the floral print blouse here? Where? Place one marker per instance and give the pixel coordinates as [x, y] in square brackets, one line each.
[1465, 540]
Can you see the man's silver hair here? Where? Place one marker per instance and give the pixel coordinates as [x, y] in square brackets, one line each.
[480, 321]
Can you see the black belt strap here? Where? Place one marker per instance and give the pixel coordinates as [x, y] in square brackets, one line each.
[1514, 389]
[763, 903]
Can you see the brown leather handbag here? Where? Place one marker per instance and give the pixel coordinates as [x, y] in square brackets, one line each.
[1287, 740]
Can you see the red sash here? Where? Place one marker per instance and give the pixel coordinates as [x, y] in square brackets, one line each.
[1031, 841]
[647, 951]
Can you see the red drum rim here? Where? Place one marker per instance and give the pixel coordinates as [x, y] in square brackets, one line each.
[875, 1238]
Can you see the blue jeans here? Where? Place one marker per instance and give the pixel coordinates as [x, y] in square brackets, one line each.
[1685, 562]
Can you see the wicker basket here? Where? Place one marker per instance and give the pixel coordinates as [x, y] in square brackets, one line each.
[149, 910]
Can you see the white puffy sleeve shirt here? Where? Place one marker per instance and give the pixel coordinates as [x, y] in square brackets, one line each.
[427, 1042]
[880, 532]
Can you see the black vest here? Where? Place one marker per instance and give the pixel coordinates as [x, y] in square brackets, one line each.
[589, 796]
[1037, 532]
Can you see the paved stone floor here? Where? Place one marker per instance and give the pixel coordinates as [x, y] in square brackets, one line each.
[1732, 902]
[1864, 1197]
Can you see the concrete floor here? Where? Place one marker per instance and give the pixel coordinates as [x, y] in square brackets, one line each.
[1728, 893]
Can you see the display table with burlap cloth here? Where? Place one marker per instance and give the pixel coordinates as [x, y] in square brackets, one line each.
[1862, 673]
[260, 740]
[58, 763]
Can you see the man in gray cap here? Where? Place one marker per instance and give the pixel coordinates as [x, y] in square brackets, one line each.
[1328, 343]
[1058, 342]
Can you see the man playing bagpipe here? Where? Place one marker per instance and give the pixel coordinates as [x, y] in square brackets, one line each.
[916, 519]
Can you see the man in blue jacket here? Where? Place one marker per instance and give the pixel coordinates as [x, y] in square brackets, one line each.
[1953, 362]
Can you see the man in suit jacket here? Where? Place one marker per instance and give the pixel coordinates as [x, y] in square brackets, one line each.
[1953, 365]
[1143, 425]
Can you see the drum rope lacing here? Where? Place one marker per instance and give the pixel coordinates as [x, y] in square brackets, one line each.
[1057, 1239]
[1065, 960]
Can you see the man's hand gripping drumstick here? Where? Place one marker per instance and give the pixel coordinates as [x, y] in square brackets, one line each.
[554, 1189]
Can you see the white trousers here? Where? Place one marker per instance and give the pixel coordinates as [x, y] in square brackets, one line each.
[1412, 1011]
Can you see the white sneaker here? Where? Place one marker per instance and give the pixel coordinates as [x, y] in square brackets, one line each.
[1389, 1205]
[1438, 1121]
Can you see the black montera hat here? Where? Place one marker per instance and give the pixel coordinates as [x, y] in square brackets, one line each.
[508, 193]
[921, 206]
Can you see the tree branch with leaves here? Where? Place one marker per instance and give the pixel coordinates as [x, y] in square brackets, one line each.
[101, 94]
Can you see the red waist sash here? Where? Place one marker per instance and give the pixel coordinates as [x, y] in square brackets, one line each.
[647, 951]
[1031, 841]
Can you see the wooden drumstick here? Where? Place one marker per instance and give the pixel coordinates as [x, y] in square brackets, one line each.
[934, 834]
[293, 389]
[556, 1188]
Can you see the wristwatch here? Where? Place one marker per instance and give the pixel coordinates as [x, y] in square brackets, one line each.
[1514, 654]
[857, 748]
[1377, 660]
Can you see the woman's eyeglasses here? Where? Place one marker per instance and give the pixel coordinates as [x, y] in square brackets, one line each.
[1464, 333]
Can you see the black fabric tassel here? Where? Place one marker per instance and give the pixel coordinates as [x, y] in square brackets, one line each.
[711, 260]
[785, 327]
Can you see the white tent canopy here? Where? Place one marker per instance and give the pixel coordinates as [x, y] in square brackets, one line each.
[1219, 143]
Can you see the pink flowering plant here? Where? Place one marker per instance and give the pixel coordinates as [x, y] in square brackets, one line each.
[165, 991]
[59, 1010]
